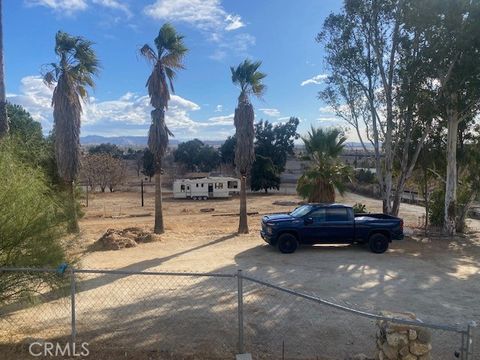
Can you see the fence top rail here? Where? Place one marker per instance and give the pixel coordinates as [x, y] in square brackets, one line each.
[452, 328]
[120, 272]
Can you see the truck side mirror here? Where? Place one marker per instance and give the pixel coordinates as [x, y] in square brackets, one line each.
[308, 221]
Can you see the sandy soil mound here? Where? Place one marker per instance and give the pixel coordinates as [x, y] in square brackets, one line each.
[115, 239]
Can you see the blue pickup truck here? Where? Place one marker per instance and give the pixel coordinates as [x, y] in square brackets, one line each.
[330, 223]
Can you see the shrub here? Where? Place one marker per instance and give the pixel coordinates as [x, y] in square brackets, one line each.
[437, 207]
[364, 176]
[359, 208]
[30, 225]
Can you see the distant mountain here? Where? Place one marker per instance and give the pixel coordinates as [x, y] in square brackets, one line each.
[141, 142]
[134, 141]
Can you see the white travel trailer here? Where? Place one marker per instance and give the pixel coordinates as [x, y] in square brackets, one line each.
[205, 188]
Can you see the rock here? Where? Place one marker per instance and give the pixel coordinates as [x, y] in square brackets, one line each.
[395, 339]
[425, 357]
[381, 356]
[417, 348]
[390, 352]
[404, 351]
[412, 334]
[424, 336]
[409, 357]
[360, 357]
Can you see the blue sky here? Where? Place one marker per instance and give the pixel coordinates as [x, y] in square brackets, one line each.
[218, 33]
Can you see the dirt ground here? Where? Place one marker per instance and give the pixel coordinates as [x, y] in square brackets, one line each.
[435, 278]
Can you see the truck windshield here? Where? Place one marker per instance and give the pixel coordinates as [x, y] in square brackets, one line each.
[301, 211]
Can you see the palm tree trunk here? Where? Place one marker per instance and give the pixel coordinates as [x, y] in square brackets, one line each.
[3, 104]
[243, 223]
[72, 226]
[158, 228]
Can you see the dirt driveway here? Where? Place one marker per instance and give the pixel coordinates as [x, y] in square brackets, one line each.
[437, 279]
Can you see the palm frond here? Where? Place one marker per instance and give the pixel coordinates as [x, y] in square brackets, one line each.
[149, 54]
[248, 78]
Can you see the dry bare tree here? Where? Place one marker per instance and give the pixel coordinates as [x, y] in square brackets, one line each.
[247, 77]
[166, 60]
[103, 170]
[70, 77]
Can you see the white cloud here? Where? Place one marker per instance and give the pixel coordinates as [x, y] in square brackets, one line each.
[204, 14]
[211, 18]
[115, 5]
[66, 6]
[69, 7]
[222, 120]
[271, 112]
[326, 109]
[234, 22]
[126, 112]
[238, 45]
[317, 79]
[219, 108]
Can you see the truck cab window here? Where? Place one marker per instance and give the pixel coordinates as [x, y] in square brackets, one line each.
[337, 214]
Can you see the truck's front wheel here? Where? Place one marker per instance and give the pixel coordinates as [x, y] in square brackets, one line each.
[287, 243]
[378, 243]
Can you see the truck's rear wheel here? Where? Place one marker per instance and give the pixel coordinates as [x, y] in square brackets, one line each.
[378, 243]
[287, 243]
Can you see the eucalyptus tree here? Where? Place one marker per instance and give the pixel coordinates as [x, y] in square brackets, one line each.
[250, 81]
[365, 55]
[451, 30]
[167, 59]
[70, 77]
[3, 101]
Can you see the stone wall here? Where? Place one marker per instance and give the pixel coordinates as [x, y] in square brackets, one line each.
[402, 342]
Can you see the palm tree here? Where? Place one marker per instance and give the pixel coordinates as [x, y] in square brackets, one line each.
[247, 77]
[3, 103]
[326, 173]
[166, 61]
[70, 77]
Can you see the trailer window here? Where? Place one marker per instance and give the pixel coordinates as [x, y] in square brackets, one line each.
[202, 184]
[232, 184]
[218, 185]
[182, 188]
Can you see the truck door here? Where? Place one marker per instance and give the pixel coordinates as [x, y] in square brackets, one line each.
[338, 226]
[313, 223]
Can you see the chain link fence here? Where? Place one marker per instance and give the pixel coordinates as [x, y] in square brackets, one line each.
[204, 314]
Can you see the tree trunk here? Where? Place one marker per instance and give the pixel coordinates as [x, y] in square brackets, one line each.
[72, 226]
[451, 178]
[243, 223]
[158, 228]
[3, 104]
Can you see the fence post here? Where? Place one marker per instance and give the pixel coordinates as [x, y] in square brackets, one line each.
[72, 298]
[469, 345]
[240, 312]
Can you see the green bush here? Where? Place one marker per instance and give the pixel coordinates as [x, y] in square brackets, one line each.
[31, 224]
[364, 176]
[437, 207]
[359, 208]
